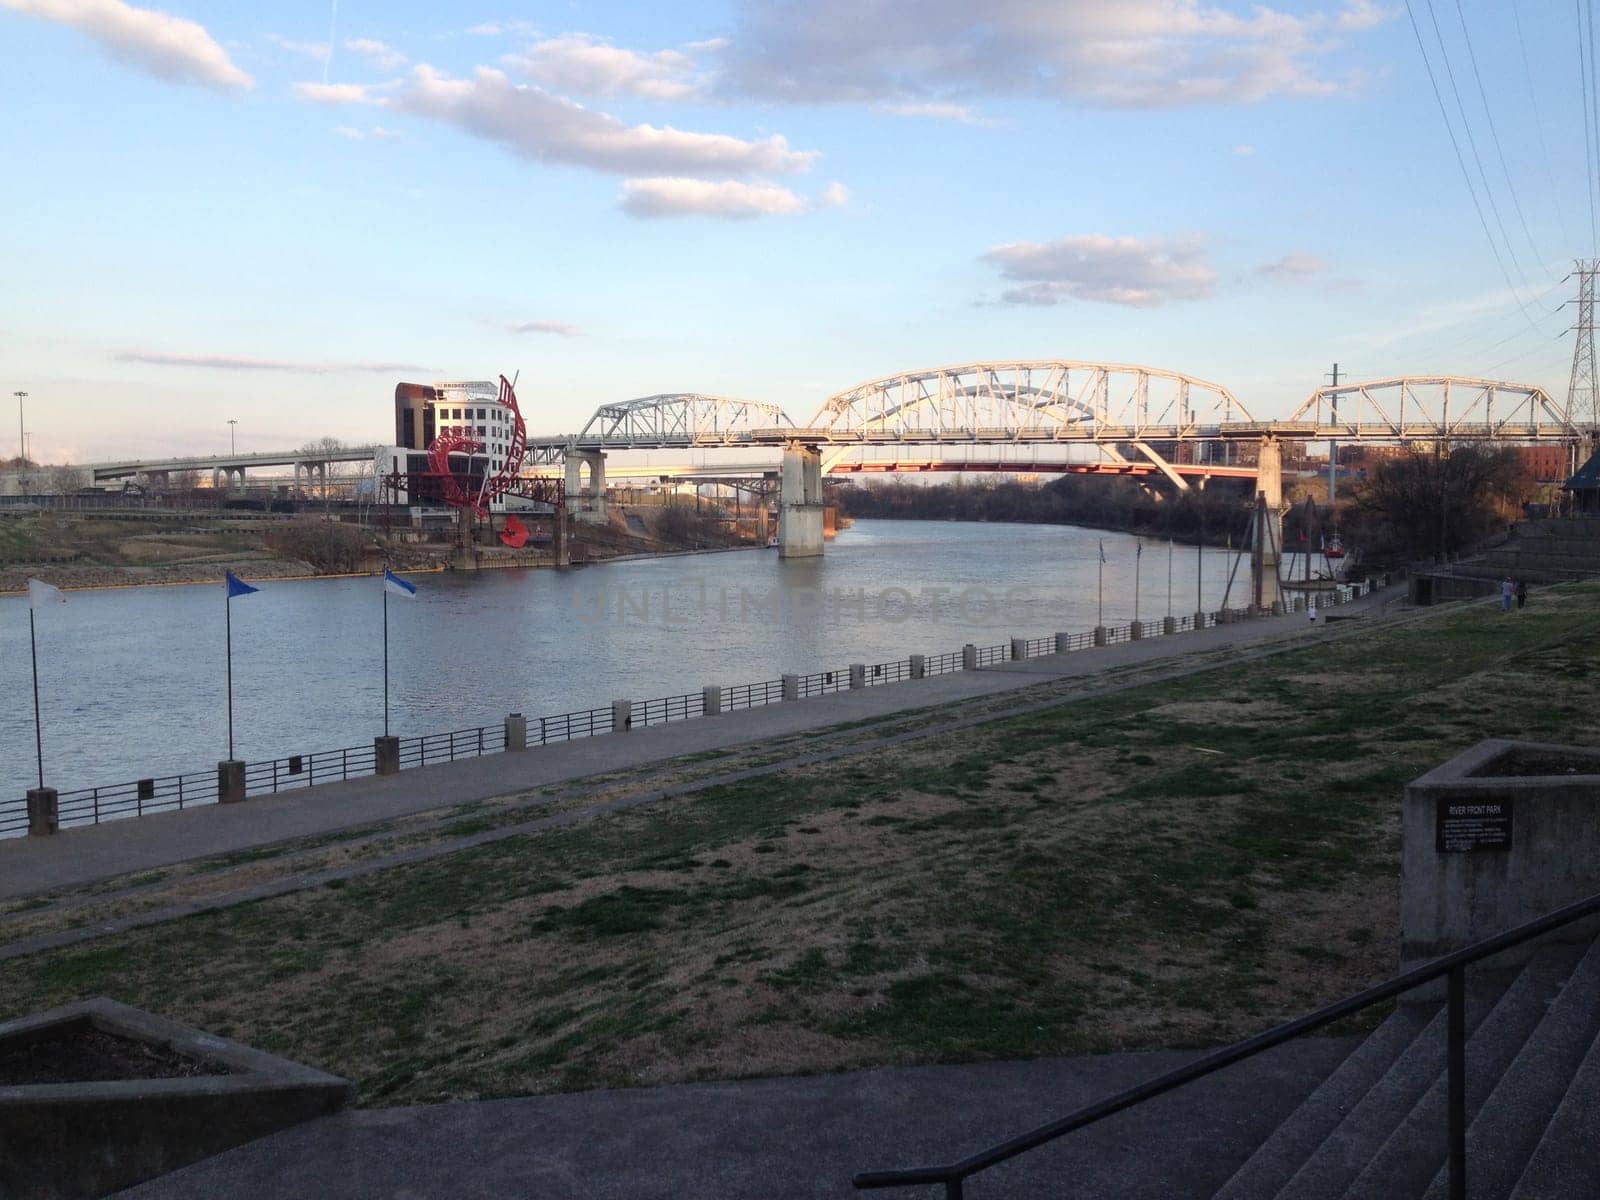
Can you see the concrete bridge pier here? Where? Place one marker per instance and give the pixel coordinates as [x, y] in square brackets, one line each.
[800, 502]
[1266, 553]
[586, 501]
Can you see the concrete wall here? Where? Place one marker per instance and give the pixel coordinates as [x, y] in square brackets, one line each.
[1450, 899]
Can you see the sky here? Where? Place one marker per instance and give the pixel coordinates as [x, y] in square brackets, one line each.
[273, 213]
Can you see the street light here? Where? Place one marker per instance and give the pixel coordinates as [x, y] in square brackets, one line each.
[231, 423]
[22, 441]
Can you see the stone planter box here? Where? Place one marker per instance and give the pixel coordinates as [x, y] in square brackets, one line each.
[66, 1139]
[1501, 834]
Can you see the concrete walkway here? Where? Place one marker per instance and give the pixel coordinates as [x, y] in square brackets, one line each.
[85, 854]
[797, 1138]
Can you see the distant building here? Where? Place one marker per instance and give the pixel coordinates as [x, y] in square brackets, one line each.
[426, 411]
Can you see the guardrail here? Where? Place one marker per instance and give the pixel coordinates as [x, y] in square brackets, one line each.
[90, 806]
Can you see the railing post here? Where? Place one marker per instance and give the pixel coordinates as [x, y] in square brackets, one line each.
[621, 716]
[1019, 649]
[791, 687]
[516, 732]
[1457, 1069]
[858, 676]
[1101, 635]
[44, 814]
[919, 666]
[1063, 643]
[710, 700]
[386, 755]
[969, 657]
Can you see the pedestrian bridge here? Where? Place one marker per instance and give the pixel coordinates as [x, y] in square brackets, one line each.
[1107, 417]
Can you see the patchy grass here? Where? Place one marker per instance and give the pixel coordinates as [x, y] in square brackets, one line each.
[1180, 863]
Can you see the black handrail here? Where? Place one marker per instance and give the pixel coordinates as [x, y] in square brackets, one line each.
[954, 1175]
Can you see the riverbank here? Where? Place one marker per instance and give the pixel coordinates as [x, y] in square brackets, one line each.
[1155, 860]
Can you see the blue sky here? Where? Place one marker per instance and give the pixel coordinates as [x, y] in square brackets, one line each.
[219, 211]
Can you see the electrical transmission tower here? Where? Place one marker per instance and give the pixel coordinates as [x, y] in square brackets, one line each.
[1583, 392]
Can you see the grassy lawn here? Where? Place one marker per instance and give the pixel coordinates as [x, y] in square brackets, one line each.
[1181, 863]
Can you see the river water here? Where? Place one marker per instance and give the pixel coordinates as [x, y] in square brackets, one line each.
[132, 680]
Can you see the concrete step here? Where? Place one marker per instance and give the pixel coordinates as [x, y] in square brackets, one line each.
[1294, 1141]
[1418, 1148]
[1345, 1152]
[1503, 1136]
[1566, 1163]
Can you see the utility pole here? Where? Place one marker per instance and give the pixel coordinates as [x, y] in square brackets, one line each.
[22, 438]
[1333, 446]
[1583, 389]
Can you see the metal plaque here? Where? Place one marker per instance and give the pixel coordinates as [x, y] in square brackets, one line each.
[1466, 825]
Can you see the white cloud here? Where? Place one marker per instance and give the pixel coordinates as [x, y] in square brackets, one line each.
[1296, 267]
[535, 125]
[559, 328]
[229, 362]
[935, 110]
[577, 62]
[704, 198]
[834, 195]
[1141, 272]
[376, 134]
[173, 48]
[335, 93]
[383, 55]
[1244, 150]
[317, 51]
[1130, 54]
[500, 28]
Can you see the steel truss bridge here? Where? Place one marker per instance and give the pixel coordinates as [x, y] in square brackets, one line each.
[1133, 420]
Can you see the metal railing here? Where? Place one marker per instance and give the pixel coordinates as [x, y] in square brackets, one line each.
[1452, 967]
[135, 798]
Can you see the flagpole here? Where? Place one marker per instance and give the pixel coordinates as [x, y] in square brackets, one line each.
[1138, 558]
[38, 736]
[227, 608]
[386, 655]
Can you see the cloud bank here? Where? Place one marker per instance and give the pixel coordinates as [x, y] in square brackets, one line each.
[1138, 272]
[172, 48]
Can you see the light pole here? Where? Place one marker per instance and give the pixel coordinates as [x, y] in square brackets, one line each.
[231, 447]
[22, 441]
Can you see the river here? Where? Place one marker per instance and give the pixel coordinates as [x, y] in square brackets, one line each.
[132, 680]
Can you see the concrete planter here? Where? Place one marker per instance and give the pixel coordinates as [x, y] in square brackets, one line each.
[1499, 835]
[63, 1140]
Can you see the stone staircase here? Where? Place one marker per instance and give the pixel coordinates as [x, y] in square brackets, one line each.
[1548, 550]
[1375, 1128]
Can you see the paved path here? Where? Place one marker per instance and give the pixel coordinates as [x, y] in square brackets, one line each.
[796, 1138]
[85, 854]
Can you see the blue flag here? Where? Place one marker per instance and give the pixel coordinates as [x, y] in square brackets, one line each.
[400, 587]
[238, 587]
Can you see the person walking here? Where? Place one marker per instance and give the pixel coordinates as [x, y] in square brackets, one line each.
[1507, 591]
[1522, 593]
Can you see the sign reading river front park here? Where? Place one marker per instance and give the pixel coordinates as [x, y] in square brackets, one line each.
[1463, 826]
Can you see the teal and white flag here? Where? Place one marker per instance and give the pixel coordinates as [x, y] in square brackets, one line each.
[400, 587]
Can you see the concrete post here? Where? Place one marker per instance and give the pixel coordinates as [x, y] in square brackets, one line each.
[1100, 635]
[1199, 620]
[919, 666]
[1269, 486]
[858, 675]
[621, 716]
[43, 812]
[1169, 626]
[1224, 616]
[1019, 649]
[230, 781]
[800, 502]
[791, 687]
[1063, 642]
[1136, 631]
[711, 700]
[1277, 608]
[386, 755]
[516, 732]
[969, 657]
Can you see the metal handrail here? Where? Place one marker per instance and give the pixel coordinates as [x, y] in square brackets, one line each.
[1453, 966]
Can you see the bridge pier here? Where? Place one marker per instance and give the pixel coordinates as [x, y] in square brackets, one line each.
[800, 502]
[1266, 554]
[586, 503]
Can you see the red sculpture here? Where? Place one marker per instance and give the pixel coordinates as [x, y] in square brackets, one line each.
[515, 534]
[506, 479]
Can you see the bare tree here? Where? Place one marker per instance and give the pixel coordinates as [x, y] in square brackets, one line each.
[64, 479]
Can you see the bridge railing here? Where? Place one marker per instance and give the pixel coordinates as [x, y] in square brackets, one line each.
[92, 805]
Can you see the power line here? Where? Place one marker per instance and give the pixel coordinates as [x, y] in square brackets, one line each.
[1472, 144]
[1538, 124]
[1494, 134]
[1585, 57]
[1462, 163]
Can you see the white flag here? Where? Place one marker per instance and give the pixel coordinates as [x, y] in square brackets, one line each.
[41, 593]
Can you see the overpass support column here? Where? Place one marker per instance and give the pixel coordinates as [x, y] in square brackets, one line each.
[1266, 553]
[586, 503]
[800, 502]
